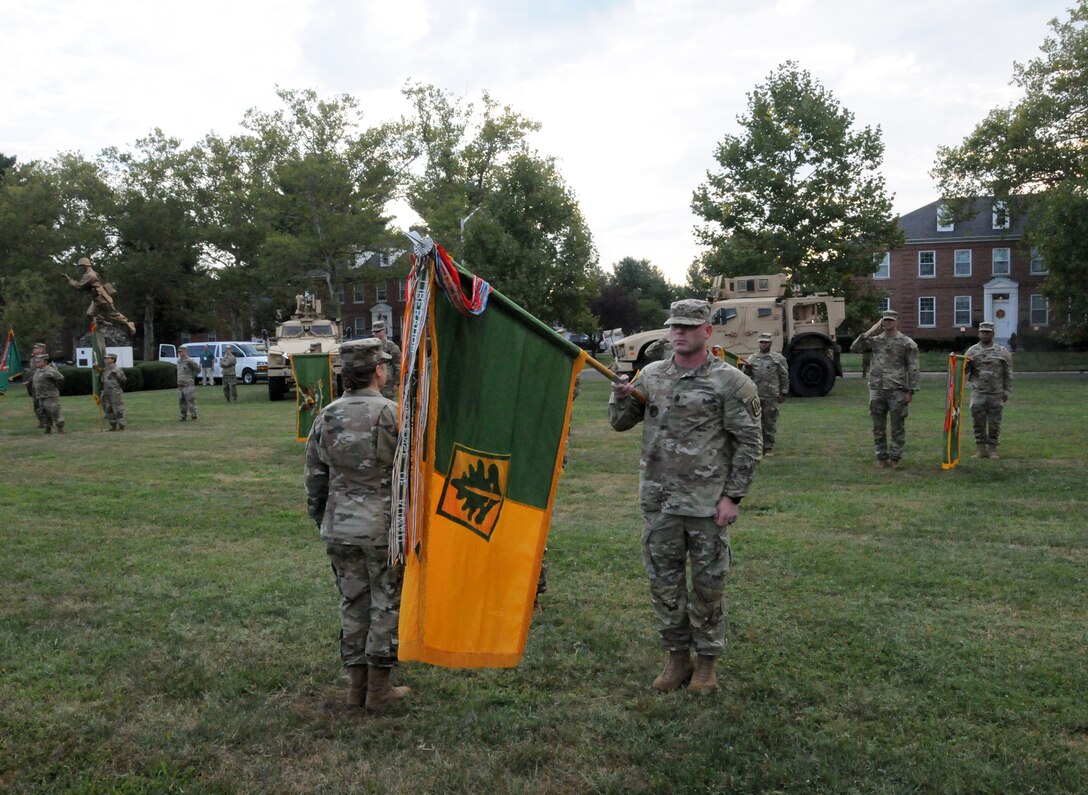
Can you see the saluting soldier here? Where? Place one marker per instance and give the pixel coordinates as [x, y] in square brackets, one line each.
[701, 441]
[348, 477]
[228, 365]
[28, 380]
[187, 373]
[989, 372]
[893, 379]
[391, 348]
[47, 383]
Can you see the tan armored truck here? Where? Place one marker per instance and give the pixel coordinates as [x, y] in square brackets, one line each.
[308, 331]
[741, 307]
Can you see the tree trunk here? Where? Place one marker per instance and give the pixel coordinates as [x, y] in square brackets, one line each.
[149, 328]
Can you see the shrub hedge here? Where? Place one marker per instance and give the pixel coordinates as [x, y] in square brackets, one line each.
[144, 376]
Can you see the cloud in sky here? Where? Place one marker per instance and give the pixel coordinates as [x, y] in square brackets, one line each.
[633, 95]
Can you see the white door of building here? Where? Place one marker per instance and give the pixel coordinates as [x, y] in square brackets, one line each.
[1001, 307]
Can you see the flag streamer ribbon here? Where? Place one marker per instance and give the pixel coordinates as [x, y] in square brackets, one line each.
[953, 414]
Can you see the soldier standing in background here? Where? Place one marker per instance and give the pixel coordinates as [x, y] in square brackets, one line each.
[113, 393]
[771, 375]
[893, 380]
[101, 309]
[989, 371]
[348, 477]
[390, 347]
[701, 441]
[28, 381]
[187, 372]
[228, 365]
[47, 383]
[207, 367]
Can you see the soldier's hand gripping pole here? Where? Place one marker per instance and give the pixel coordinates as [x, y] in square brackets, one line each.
[611, 376]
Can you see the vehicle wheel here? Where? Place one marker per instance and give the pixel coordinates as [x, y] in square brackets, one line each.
[812, 374]
[277, 387]
[248, 377]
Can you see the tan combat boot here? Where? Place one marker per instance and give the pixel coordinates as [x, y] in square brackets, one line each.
[380, 694]
[357, 688]
[705, 679]
[982, 452]
[991, 451]
[677, 671]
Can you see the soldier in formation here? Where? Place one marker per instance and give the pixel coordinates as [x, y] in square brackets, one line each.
[893, 380]
[113, 393]
[228, 365]
[989, 372]
[701, 441]
[391, 348]
[771, 375]
[28, 379]
[46, 384]
[348, 476]
[101, 309]
[187, 372]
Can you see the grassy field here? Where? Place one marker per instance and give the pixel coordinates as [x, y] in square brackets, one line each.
[1024, 361]
[169, 621]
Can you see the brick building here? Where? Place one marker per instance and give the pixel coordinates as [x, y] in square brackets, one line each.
[376, 293]
[949, 276]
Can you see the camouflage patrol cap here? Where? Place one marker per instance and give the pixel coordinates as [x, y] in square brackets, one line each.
[379, 325]
[765, 337]
[364, 353]
[985, 325]
[689, 312]
[84, 262]
[37, 345]
[111, 356]
[889, 314]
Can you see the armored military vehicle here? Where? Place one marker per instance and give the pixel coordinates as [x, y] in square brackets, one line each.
[307, 331]
[741, 307]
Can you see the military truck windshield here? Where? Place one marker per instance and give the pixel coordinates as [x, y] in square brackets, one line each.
[724, 315]
[322, 330]
[289, 330]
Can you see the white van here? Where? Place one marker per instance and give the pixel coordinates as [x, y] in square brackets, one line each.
[251, 364]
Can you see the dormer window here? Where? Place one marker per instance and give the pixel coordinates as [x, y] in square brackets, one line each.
[945, 222]
[1001, 215]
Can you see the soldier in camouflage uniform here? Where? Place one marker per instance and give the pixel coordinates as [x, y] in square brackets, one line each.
[187, 372]
[228, 364]
[701, 441]
[893, 380]
[113, 393]
[989, 371]
[47, 383]
[349, 471]
[391, 348]
[28, 381]
[771, 375]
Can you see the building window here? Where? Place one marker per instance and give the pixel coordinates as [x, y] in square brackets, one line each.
[1038, 267]
[1001, 215]
[358, 295]
[927, 312]
[1001, 262]
[962, 311]
[339, 291]
[402, 291]
[1040, 310]
[927, 264]
[884, 269]
[380, 293]
[360, 327]
[963, 262]
[884, 304]
[944, 219]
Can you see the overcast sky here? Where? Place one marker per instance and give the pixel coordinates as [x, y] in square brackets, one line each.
[633, 95]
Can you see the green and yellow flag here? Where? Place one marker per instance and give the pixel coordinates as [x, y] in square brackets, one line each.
[11, 366]
[313, 389]
[953, 413]
[493, 402]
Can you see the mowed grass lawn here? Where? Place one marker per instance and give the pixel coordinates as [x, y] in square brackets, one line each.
[169, 621]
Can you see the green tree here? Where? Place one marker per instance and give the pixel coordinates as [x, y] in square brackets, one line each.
[1033, 154]
[616, 308]
[799, 191]
[645, 282]
[332, 180]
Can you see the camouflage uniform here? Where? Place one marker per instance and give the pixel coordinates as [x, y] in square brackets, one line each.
[101, 309]
[392, 385]
[113, 395]
[771, 375]
[989, 371]
[46, 384]
[701, 441]
[229, 366]
[893, 375]
[187, 372]
[348, 475]
[28, 381]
